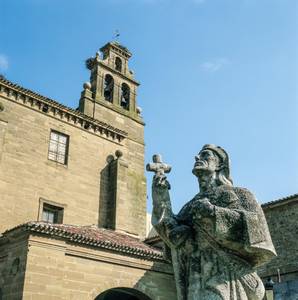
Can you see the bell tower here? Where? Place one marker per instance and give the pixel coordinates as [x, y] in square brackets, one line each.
[112, 82]
[110, 97]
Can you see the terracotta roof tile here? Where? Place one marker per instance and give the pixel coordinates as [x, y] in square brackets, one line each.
[93, 236]
[280, 201]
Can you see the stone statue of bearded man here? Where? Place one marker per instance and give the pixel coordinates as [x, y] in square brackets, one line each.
[218, 238]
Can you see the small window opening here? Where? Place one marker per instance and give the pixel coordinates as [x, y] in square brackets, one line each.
[58, 147]
[125, 96]
[52, 214]
[108, 88]
[118, 64]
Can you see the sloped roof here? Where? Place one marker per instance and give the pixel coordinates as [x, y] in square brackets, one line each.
[281, 201]
[92, 236]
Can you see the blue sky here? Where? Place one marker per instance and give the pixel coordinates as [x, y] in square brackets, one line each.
[213, 71]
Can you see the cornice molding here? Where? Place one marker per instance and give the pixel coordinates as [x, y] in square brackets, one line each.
[119, 110]
[47, 106]
[112, 70]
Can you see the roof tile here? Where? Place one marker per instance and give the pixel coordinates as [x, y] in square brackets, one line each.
[93, 236]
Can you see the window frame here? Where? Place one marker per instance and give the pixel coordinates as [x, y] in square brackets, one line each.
[50, 214]
[56, 154]
[54, 206]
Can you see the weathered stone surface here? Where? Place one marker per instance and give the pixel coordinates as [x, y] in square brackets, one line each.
[61, 270]
[80, 186]
[103, 183]
[282, 216]
[218, 238]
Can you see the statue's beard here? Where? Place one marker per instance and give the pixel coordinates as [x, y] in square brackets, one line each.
[199, 167]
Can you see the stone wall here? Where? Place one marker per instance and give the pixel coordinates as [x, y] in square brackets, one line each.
[13, 258]
[58, 270]
[287, 290]
[282, 219]
[26, 174]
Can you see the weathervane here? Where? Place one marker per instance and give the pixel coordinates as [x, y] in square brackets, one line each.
[116, 35]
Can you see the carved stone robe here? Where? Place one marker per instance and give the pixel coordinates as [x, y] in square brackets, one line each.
[214, 257]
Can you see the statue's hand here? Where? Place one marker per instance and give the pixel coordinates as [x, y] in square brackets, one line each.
[203, 208]
[160, 183]
[160, 195]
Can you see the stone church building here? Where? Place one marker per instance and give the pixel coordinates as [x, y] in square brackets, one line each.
[73, 196]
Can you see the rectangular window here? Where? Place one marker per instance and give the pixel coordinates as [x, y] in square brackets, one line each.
[58, 147]
[52, 214]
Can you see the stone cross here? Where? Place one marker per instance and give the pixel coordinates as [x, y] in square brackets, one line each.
[157, 166]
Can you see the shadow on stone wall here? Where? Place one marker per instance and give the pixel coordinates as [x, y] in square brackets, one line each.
[158, 283]
[106, 211]
[12, 269]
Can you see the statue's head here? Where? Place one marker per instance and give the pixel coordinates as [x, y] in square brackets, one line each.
[213, 160]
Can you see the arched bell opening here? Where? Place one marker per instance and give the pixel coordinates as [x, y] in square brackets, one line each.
[125, 96]
[108, 88]
[122, 294]
[118, 64]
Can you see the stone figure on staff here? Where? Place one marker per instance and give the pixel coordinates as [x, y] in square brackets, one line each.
[218, 238]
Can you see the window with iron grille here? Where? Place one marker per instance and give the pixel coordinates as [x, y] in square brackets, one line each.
[58, 147]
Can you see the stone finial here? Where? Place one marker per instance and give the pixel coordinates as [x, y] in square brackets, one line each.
[139, 110]
[118, 153]
[87, 86]
[158, 167]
